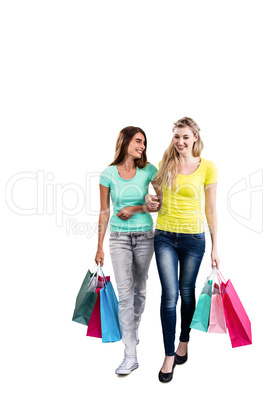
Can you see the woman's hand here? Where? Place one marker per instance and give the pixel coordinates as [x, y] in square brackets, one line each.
[99, 258]
[152, 202]
[125, 213]
[215, 260]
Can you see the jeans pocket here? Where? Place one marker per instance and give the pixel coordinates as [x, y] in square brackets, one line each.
[149, 234]
[158, 232]
[198, 236]
[114, 235]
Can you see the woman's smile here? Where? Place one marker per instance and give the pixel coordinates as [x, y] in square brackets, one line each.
[181, 148]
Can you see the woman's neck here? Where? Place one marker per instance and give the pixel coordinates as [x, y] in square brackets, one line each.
[128, 164]
[188, 159]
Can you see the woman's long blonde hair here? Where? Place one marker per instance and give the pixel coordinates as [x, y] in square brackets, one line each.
[168, 171]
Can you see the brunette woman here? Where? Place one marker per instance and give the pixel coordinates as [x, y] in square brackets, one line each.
[126, 181]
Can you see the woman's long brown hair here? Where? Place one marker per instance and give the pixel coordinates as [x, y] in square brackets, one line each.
[124, 138]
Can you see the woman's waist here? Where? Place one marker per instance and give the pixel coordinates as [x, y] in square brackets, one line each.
[172, 212]
[138, 222]
[181, 225]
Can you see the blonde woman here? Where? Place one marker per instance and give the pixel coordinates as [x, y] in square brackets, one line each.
[179, 240]
[126, 181]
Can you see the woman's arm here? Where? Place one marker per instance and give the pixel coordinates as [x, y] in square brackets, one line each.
[127, 212]
[154, 202]
[211, 215]
[103, 222]
[155, 205]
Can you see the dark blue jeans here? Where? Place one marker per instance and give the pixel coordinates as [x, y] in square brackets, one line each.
[186, 251]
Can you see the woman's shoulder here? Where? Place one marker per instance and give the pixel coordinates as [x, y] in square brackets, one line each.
[211, 171]
[150, 169]
[149, 166]
[208, 164]
[108, 173]
[108, 176]
[109, 169]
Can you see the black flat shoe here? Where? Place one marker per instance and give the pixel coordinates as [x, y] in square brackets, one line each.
[166, 377]
[180, 359]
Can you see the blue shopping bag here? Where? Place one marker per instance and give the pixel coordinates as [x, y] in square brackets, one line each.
[109, 314]
[200, 319]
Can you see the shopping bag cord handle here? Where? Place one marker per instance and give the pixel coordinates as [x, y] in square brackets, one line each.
[103, 276]
[221, 276]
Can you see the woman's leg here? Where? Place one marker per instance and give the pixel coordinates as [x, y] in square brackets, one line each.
[122, 260]
[143, 249]
[167, 264]
[191, 251]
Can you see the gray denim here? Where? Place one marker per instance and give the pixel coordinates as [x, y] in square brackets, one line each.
[131, 254]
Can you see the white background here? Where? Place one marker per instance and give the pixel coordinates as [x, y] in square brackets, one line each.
[73, 74]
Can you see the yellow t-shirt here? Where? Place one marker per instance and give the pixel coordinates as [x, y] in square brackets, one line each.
[182, 209]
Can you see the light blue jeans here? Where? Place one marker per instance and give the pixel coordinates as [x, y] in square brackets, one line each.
[131, 254]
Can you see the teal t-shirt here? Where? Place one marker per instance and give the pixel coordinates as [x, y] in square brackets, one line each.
[125, 193]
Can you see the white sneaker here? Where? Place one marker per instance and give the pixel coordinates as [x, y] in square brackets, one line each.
[128, 364]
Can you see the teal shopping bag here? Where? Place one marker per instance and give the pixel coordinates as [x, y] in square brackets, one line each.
[86, 299]
[110, 328]
[200, 319]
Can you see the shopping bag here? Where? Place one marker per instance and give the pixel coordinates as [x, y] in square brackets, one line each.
[200, 318]
[109, 314]
[94, 325]
[238, 323]
[85, 300]
[217, 322]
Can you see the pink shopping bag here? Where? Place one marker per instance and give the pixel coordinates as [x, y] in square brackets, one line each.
[238, 323]
[217, 323]
[94, 325]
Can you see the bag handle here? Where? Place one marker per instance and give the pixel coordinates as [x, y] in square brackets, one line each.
[216, 280]
[209, 277]
[221, 276]
[94, 275]
[103, 276]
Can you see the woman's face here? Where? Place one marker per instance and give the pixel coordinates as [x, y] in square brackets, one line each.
[184, 140]
[136, 146]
